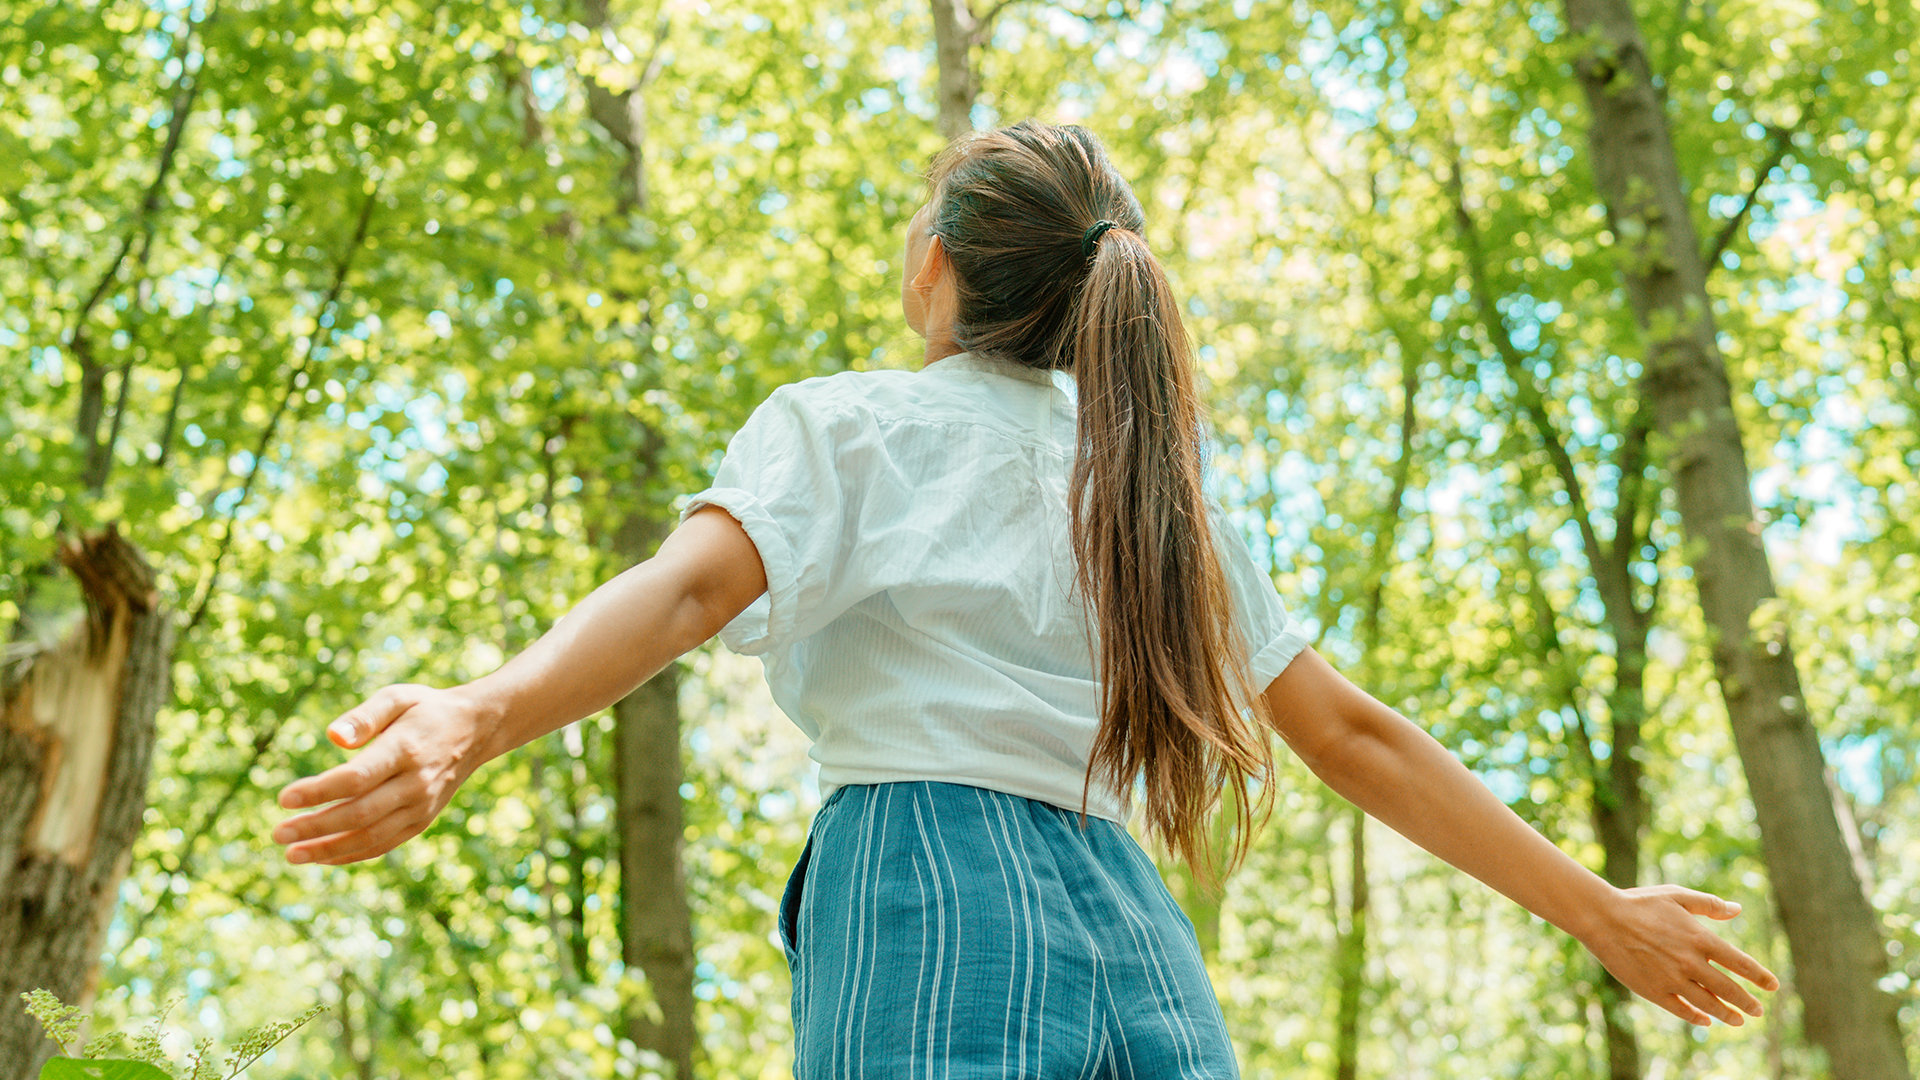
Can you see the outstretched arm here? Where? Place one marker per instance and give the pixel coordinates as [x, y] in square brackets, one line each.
[426, 741]
[1389, 767]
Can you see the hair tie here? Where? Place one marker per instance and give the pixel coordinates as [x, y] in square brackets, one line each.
[1091, 236]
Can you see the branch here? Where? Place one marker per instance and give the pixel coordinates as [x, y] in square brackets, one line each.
[1527, 389]
[1402, 474]
[1127, 14]
[262, 742]
[1627, 538]
[184, 92]
[656, 56]
[1782, 145]
[186, 366]
[1339, 185]
[1549, 621]
[983, 24]
[100, 454]
[92, 397]
[322, 332]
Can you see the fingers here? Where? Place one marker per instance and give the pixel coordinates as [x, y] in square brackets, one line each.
[1686, 1010]
[357, 777]
[355, 830]
[349, 814]
[372, 803]
[362, 844]
[370, 717]
[353, 728]
[1731, 958]
[1712, 997]
[1723, 988]
[1706, 904]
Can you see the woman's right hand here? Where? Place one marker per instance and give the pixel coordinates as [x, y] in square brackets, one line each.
[420, 744]
[1652, 940]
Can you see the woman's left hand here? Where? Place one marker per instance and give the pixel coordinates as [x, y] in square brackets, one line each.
[1652, 940]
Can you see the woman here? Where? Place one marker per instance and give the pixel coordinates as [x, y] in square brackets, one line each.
[994, 595]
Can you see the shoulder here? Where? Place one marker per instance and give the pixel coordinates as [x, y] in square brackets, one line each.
[847, 393]
[898, 402]
[903, 410]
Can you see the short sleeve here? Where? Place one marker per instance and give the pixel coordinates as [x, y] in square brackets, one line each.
[1273, 637]
[781, 482]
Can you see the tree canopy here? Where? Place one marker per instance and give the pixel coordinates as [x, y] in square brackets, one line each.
[372, 326]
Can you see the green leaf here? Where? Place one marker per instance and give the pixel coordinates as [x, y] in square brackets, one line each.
[61, 1068]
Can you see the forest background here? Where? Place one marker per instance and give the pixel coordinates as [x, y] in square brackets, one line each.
[386, 331]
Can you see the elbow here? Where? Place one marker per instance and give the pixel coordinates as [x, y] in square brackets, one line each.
[1351, 741]
[1343, 756]
[1343, 735]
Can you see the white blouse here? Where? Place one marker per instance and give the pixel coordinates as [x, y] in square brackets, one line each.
[920, 620]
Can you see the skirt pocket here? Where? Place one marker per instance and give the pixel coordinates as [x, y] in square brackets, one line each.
[790, 905]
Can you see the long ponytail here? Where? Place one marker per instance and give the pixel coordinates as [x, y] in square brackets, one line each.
[1044, 282]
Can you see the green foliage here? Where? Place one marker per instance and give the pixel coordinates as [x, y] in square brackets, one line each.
[77, 1069]
[145, 1059]
[62, 1022]
[399, 452]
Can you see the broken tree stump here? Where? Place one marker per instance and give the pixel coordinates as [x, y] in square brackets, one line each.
[76, 744]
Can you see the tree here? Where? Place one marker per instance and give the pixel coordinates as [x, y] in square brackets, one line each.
[957, 31]
[74, 751]
[656, 923]
[1830, 926]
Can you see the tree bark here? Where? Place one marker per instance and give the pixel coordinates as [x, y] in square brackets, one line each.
[1619, 806]
[1832, 930]
[1350, 960]
[957, 31]
[656, 921]
[76, 742]
[623, 114]
[953, 40]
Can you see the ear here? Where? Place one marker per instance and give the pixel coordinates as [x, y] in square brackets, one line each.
[932, 266]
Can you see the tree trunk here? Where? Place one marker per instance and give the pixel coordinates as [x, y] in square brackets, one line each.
[75, 746]
[656, 922]
[1619, 808]
[1350, 947]
[623, 114]
[1832, 930]
[1351, 954]
[954, 30]
[1619, 800]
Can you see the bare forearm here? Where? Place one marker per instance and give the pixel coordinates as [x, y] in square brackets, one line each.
[1649, 938]
[421, 743]
[1397, 773]
[1411, 783]
[705, 573]
[614, 640]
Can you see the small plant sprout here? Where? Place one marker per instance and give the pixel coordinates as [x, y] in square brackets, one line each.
[142, 1057]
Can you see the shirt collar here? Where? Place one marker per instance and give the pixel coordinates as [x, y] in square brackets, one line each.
[992, 366]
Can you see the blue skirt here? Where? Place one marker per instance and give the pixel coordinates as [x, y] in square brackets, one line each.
[942, 931]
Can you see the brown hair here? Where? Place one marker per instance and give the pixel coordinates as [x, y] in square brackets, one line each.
[1016, 211]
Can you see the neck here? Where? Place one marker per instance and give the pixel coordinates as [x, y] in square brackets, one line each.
[939, 349]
